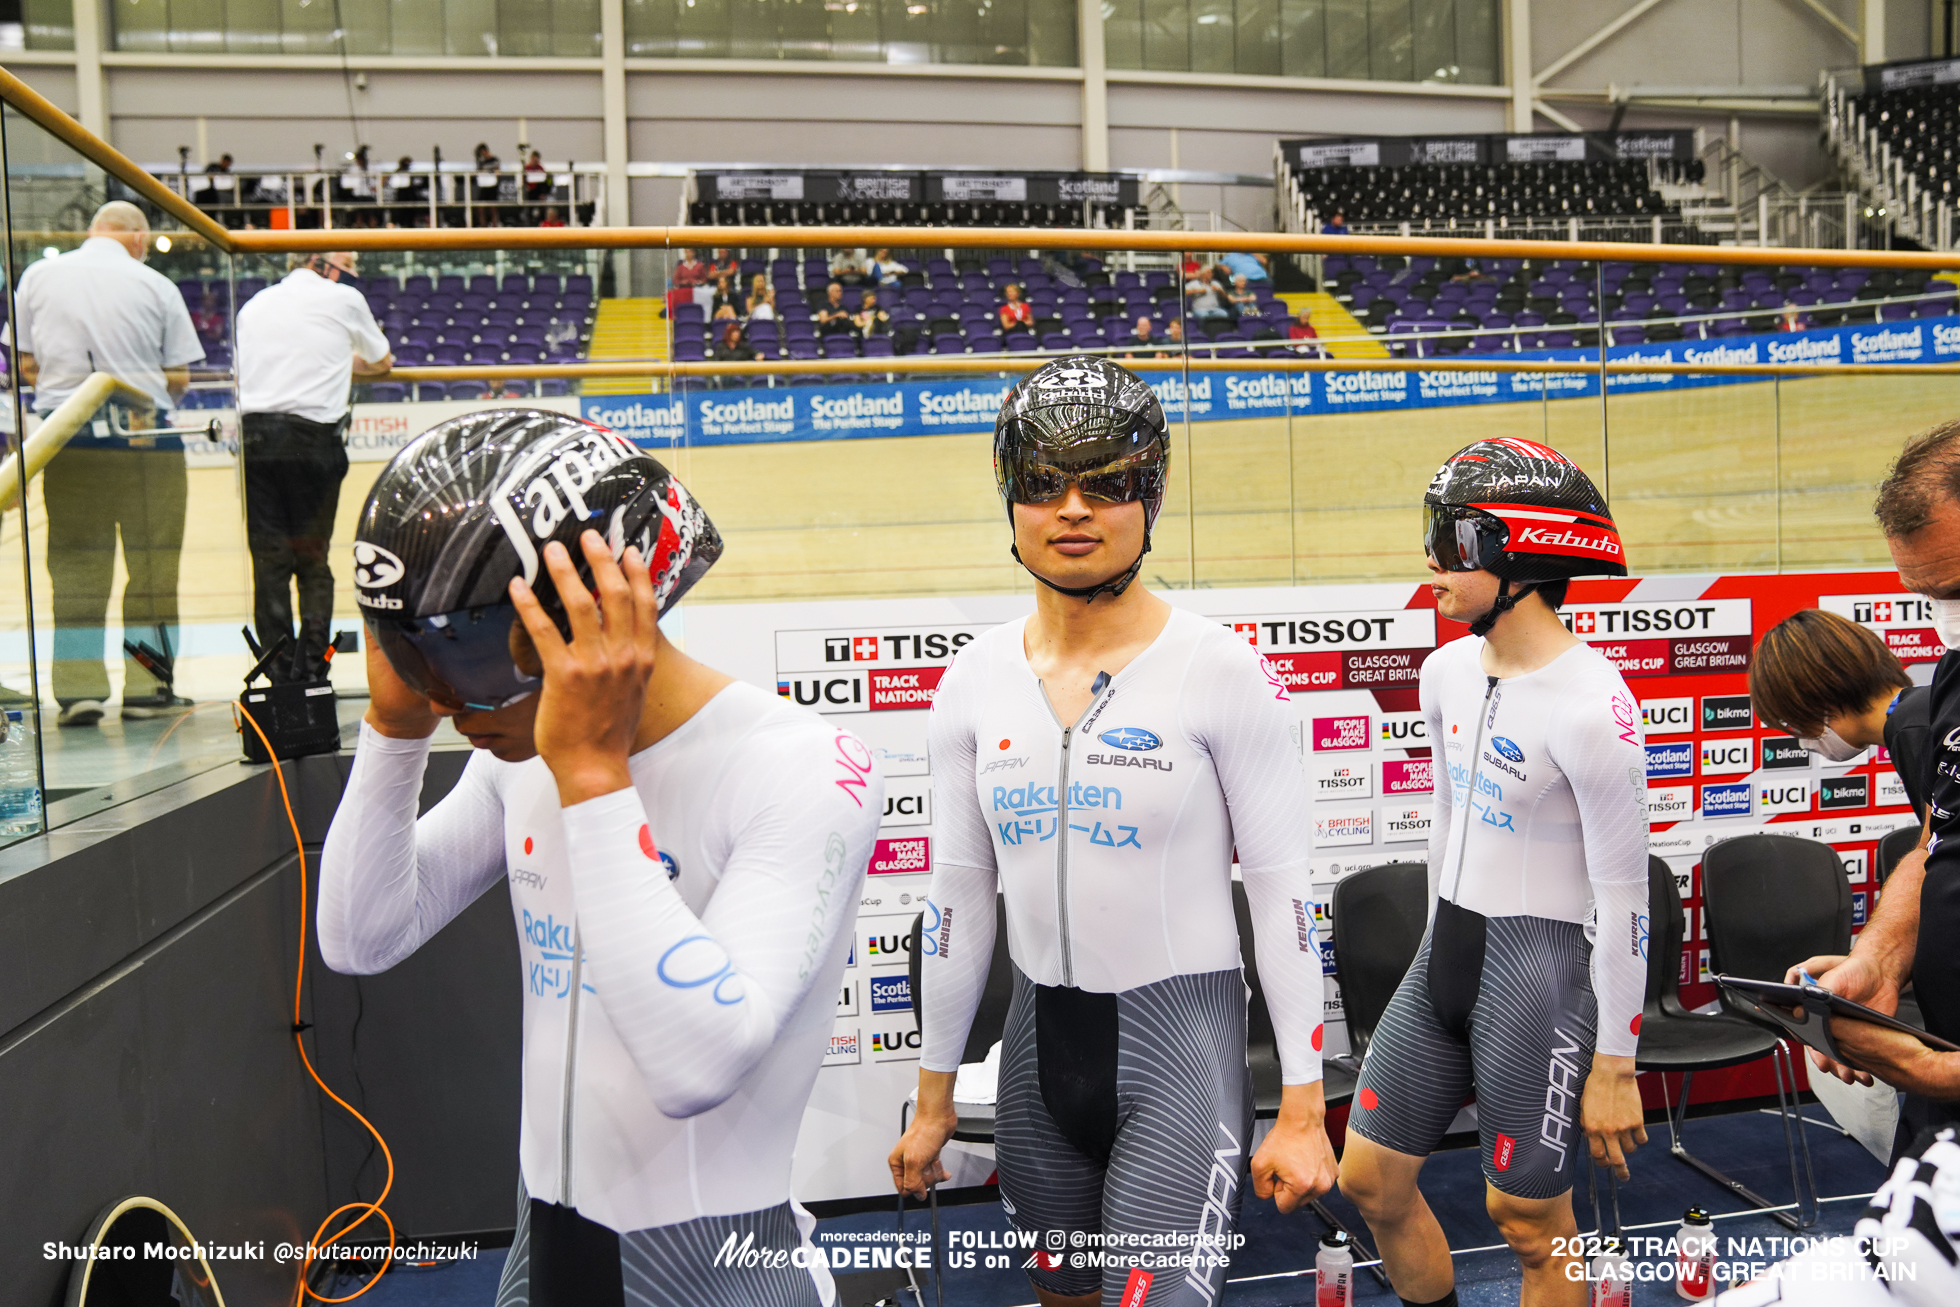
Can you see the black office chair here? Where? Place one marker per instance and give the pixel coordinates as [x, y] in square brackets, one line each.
[1771, 901]
[989, 1019]
[1894, 847]
[1382, 912]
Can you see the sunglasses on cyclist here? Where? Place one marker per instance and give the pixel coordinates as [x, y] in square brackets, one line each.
[1463, 539]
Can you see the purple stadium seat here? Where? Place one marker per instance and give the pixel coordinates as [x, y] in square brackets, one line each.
[949, 342]
[840, 345]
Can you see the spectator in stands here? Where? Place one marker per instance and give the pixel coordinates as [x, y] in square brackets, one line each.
[885, 270]
[1792, 318]
[537, 181]
[1173, 338]
[725, 264]
[730, 347]
[847, 266]
[1208, 300]
[1242, 302]
[1252, 267]
[486, 161]
[689, 271]
[834, 315]
[300, 344]
[551, 218]
[1015, 313]
[1301, 328]
[1145, 334]
[870, 320]
[97, 308]
[726, 296]
[1336, 225]
[209, 319]
[221, 165]
[725, 313]
[762, 302]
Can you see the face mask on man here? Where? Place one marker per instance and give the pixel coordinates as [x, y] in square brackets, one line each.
[1946, 620]
[1832, 747]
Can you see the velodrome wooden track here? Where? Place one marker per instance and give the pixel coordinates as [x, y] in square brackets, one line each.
[1693, 478]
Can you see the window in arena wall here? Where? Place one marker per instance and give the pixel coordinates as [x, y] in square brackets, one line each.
[1365, 40]
[50, 24]
[1012, 32]
[372, 27]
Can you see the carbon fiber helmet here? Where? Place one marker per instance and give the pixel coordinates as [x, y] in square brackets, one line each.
[1523, 512]
[1087, 420]
[470, 503]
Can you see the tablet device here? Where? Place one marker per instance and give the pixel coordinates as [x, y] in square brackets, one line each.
[1774, 1005]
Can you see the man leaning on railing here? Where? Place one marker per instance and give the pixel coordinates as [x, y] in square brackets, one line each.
[98, 308]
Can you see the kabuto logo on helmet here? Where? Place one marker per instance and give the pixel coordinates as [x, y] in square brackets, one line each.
[374, 567]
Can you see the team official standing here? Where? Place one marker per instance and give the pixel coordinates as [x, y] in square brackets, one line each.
[300, 345]
[98, 309]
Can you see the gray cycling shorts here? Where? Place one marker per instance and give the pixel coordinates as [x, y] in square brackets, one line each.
[1122, 1128]
[1501, 1004]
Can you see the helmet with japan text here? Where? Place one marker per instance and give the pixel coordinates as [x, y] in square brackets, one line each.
[1086, 420]
[1521, 511]
[470, 504]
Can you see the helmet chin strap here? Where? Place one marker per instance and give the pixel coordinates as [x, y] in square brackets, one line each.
[1505, 602]
[1114, 586]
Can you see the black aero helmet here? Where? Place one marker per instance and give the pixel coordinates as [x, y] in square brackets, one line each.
[1087, 420]
[471, 503]
[1521, 511]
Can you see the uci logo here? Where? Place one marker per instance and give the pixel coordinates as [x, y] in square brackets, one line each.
[1508, 749]
[1133, 738]
[375, 568]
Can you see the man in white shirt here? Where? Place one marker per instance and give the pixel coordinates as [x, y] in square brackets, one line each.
[97, 308]
[300, 345]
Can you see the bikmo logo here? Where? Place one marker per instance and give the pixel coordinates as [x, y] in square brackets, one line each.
[697, 961]
[1133, 738]
[376, 568]
[1508, 749]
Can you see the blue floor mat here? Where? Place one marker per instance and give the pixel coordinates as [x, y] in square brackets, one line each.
[1748, 1145]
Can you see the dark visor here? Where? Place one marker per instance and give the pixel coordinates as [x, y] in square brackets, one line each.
[1116, 469]
[461, 660]
[1463, 539]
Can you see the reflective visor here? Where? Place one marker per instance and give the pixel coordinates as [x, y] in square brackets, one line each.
[1118, 468]
[1462, 539]
[461, 660]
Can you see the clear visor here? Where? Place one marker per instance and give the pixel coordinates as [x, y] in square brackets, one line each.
[463, 660]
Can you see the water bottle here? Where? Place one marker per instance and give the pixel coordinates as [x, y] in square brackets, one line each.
[20, 779]
[1334, 1271]
[1611, 1274]
[1694, 1257]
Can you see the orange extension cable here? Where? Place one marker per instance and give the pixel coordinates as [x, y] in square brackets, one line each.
[367, 1210]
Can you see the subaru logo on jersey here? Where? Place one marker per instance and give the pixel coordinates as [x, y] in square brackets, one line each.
[1732, 799]
[891, 993]
[1667, 716]
[1725, 712]
[1844, 792]
[1133, 738]
[1674, 758]
[1782, 794]
[1728, 757]
[1508, 749]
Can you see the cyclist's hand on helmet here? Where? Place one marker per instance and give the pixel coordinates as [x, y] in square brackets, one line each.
[1610, 1113]
[1856, 978]
[393, 709]
[595, 684]
[1295, 1164]
[914, 1159]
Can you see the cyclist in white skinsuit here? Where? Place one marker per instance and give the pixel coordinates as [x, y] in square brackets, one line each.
[1535, 962]
[700, 899]
[1106, 810]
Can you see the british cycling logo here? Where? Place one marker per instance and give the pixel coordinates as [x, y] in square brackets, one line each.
[1507, 748]
[1133, 738]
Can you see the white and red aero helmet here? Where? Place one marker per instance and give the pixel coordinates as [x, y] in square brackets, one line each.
[1522, 511]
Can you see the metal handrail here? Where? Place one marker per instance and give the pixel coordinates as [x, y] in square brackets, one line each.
[32, 104]
[29, 102]
[60, 426]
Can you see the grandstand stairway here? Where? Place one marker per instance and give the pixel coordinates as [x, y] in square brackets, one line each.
[627, 329]
[1340, 331]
